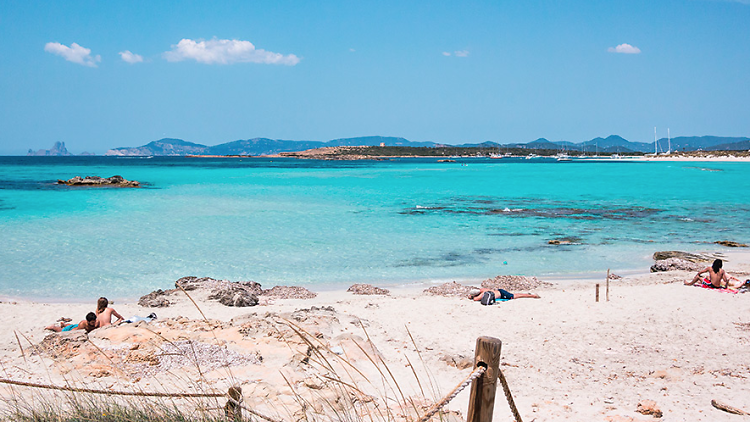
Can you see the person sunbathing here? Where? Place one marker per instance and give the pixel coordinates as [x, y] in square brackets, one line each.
[88, 324]
[716, 275]
[104, 314]
[489, 296]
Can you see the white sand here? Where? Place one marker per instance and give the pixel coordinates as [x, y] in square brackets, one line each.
[565, 356]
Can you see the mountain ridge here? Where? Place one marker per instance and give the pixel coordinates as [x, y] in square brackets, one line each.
[268, 146]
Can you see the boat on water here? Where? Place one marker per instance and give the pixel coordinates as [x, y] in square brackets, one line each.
[563, 157]
[530, 156]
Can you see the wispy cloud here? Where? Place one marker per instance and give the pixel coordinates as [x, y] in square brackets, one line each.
[624, 49]
[129, 57]
[75, 53]
[217, 51]
[460, 53]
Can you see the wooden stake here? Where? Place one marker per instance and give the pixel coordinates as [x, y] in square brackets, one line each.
[728, 408]
[482, 397]
[607, 284]
[597, 292]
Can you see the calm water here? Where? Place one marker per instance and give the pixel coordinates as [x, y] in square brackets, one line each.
[332, 223]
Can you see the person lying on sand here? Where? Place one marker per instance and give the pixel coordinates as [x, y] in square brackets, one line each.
[488, 296]
[716, 275]
[88, 324]
[104, 314]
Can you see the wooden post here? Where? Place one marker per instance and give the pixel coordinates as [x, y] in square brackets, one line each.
[607, 284]
[482, 397]
[597, 292]
[232, 409]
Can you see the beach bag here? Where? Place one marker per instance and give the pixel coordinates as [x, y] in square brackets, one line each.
[488, 298]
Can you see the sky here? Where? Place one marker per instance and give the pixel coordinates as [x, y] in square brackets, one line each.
[105, 74]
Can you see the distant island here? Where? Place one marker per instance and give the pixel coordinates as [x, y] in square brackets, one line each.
[383, 146]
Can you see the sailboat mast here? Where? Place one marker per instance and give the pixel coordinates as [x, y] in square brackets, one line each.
[656, 144]
[669, 142]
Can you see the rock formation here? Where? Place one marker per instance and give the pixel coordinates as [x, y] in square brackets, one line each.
[118, 181]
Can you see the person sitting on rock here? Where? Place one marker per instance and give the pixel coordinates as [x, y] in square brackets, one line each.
[489, 296]
[716, 275]
[104, 314]
[88, 324]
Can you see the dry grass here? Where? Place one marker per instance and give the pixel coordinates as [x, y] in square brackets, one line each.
[343, 393]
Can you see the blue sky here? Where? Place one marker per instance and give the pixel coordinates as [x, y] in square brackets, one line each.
[450, 72]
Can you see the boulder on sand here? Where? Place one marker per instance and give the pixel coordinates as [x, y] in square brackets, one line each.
[367, 289]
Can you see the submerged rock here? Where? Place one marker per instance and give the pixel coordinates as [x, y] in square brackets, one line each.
[100, 181]
[572, 240]
[367, 289]
[730, 244]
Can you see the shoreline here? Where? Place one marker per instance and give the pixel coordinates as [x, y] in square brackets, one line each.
[557, 279]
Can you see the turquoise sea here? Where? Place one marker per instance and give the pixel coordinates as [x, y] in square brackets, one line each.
[327, 224]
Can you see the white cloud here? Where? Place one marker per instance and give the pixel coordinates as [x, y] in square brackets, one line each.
[462, 53]
[351, 50]
[75, 53]
[446, 54]
[624, 49]
[217, 51]
[129, 57]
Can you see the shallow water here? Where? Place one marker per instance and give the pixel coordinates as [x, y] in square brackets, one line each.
[334, 223]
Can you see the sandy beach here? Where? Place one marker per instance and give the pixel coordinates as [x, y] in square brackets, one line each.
[565, 356]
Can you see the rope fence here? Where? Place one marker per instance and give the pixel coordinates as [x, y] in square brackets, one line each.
[481, 401]
[478, 372]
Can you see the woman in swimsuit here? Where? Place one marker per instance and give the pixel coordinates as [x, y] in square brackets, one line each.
[104, 314]
[716, 275]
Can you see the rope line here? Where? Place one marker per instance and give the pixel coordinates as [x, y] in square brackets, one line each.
[508, 396]
[478, 372]
[108, 392]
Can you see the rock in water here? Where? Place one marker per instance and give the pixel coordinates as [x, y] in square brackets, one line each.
[730, 244]
[118, 181]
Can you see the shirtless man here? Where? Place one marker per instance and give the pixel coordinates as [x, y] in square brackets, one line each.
[104, 314]
[88, 324]
[476, 295]
[715, 277]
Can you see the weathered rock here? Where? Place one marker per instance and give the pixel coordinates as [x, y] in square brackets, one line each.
[190, 283]
[675, 264]
[449, 289]
[367, 289]
[513, 283]
[289, 292]
[648, 407]
[614, 276]
[730, 244]
[118, 181]
[687, 256]
[155, 299]
[234, 295]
